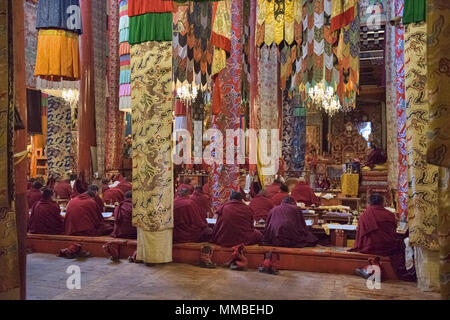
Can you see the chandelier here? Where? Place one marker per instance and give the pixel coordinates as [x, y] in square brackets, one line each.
[325, 98]
[70, 96]
[187, 93]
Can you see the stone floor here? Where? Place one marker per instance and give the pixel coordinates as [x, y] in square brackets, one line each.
[103, 279]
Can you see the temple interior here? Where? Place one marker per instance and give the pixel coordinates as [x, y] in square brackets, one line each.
[297, 138]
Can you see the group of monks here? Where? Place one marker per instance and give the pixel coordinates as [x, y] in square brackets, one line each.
[84, 209]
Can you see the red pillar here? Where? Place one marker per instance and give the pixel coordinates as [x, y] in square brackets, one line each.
[20, 143]
[86, 106]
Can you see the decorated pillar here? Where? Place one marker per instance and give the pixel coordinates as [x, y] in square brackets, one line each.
[225, 177]
[151, 104]
[86, 108]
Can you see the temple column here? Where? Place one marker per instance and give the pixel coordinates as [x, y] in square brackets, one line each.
[86, 107]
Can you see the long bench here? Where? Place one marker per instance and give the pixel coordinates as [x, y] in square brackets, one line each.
[318, 259]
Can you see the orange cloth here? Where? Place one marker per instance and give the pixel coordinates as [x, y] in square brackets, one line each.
[58, 54]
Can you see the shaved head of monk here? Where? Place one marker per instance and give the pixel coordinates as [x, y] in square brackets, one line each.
[288, 200]
[183, 192]
[236, 196]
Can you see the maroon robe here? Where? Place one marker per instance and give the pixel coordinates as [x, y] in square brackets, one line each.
[286, 227]
[46, 218]
[113, 195]
[33, 196]
[189, 187]
[203, 202]
[124, 186]
[376, 156]
[99, 203]
[235, 225]
[205, 188]
[83, 218]
[377, 234]
[260, 205]
[273, 189]
[123, 227]
[63, 190]
[189, 225]
[278, 197]
[302, 192]
[104, 188]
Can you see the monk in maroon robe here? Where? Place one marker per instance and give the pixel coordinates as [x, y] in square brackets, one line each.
[63, 189]
[189, 225]
[83, 217]
[45, 216]
[302, 192]
[205, 188]
[125, 185]
[376, 156]
[261, 205]
[278, 197]
[34, 194]
[273, 188]
[203, 202]
[286, 227]
[123, 227]
[113, 195]
[186, 184]
[377, 234]
[235, 223]
[79, 187]
[105, 185]
[95, 190]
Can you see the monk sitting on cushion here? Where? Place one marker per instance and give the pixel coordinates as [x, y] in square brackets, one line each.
[286, 227]
[62, 189]
[302, 192]
[186, 184]
[189, 225]
[273, 188]
[377, 234]
[235, 223]
[202, 201]
[34, 194]
[261, 205]
[123, 227]
[83, 217]
[278, 197]
[46, 216]
[113, 195]
[125, 185]
[376, 156]
[95, 190]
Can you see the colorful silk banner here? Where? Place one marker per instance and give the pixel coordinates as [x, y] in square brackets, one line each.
[423, 205]
[124, 51]
[31, 36]
[151, 27]
[401, 117]
[58, 137]
[225, 177]
[59, 14]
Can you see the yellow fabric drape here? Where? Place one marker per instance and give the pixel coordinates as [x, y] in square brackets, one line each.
[278, 21]
[269, 34]
[289, 20]
[222, 30]
[350, 184]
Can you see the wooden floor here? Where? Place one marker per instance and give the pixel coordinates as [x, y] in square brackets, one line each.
[103, 279]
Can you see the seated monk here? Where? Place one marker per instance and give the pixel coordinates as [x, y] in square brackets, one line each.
[202, 201]
[273, 188]
[186, 183]
[83, 217]
[302, 192]
[286, 227]
[105, 185]
[189, 225]
[377, 234]
[261, 205]
[123, 227]
[205, 188]
[113, 195]
[79, 187]
[235, 223]
[45, 216]
[34, 194]
[95, 190]
[278, 197]
[376, 156]
[125, 185]
[62, 189]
